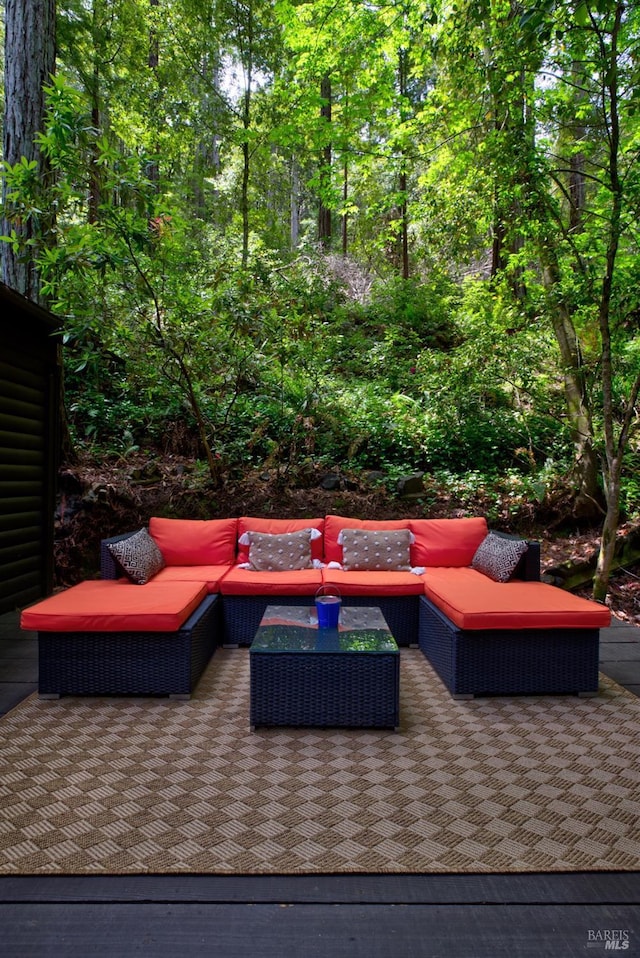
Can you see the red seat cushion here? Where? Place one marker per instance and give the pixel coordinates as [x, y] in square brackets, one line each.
[473, 601]
[195, 541]
[446, 542]
[295, 582]
[279, 527]
[374, 583]
[207, 575]
[109, 605]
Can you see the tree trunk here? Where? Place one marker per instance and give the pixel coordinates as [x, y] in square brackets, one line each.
[153, 168]
[208, 148]
[588, 498]
[345, 215]
[576, 191]
[324, 211]
[29, 65]
[95, 179]
[246, 123]
[404, 215]
[607, 539]
[614, 445]
[497, 245]
[404, 228]
[577, 180]
[295, 204]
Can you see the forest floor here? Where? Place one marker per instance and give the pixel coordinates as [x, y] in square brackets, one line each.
[100, 497]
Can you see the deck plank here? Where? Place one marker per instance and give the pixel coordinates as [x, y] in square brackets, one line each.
[568, 889]
[311, 931]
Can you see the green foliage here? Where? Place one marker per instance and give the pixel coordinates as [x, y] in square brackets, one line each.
[273, 363]
[425, 309]
[179, 140]
[630, 494]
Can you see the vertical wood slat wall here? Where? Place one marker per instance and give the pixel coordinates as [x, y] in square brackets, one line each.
[29, 390]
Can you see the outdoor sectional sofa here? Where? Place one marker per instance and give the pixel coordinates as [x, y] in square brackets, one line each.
[470, 598]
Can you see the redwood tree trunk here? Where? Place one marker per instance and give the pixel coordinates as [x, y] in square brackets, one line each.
[153, 168]
[249, 31]
[324, 211]
[403, 70]
[95, 185]
[295, 204]
[28, 66]
[577, 159]
[345, 215]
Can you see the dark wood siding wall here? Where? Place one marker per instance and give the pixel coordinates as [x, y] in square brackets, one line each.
[29, 385]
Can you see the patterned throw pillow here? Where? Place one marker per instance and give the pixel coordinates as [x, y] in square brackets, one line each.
[139, 556]
[497, 557]
[285, 552]
[385, 550]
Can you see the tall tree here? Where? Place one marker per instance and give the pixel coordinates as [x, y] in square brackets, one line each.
[153, 164]
[583, 242]
[29, 62]
[324, 208]
[572, 191]
[620, 412]
[404, 210]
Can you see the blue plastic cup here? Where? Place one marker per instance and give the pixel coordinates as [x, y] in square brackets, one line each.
[328, 609]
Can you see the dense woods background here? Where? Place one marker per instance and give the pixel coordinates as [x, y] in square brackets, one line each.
[340, 238]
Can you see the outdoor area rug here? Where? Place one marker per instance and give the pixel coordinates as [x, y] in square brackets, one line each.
[130, 786]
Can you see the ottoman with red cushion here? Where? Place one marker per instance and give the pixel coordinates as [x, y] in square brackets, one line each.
[110, 637]
[516, 638]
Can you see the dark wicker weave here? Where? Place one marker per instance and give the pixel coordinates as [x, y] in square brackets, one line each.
[509, 661]
[242, 614]
[109, 568]
[129, 663]
[528, 567]
[325, 689]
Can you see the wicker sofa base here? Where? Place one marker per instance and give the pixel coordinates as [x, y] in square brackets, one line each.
[242, 614]
[509, 661]
[129, 663]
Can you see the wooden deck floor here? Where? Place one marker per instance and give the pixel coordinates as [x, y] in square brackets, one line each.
[466, 916]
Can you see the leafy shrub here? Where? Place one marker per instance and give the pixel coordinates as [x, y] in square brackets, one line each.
[426, 310]
[630, 486]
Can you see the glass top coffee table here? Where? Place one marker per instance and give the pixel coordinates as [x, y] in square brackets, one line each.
[305, 676]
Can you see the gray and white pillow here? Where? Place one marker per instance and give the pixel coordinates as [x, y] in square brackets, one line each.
[284, 552]
[385, 550]
[498, 557]
[139, 556]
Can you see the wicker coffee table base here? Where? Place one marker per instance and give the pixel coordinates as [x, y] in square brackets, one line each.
[324, 689]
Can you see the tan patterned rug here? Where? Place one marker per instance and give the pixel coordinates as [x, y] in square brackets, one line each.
[125, 786]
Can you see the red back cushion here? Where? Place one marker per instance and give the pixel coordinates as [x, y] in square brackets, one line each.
[334, 524]
[446, 542]
[278, 527]
[195, 541]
